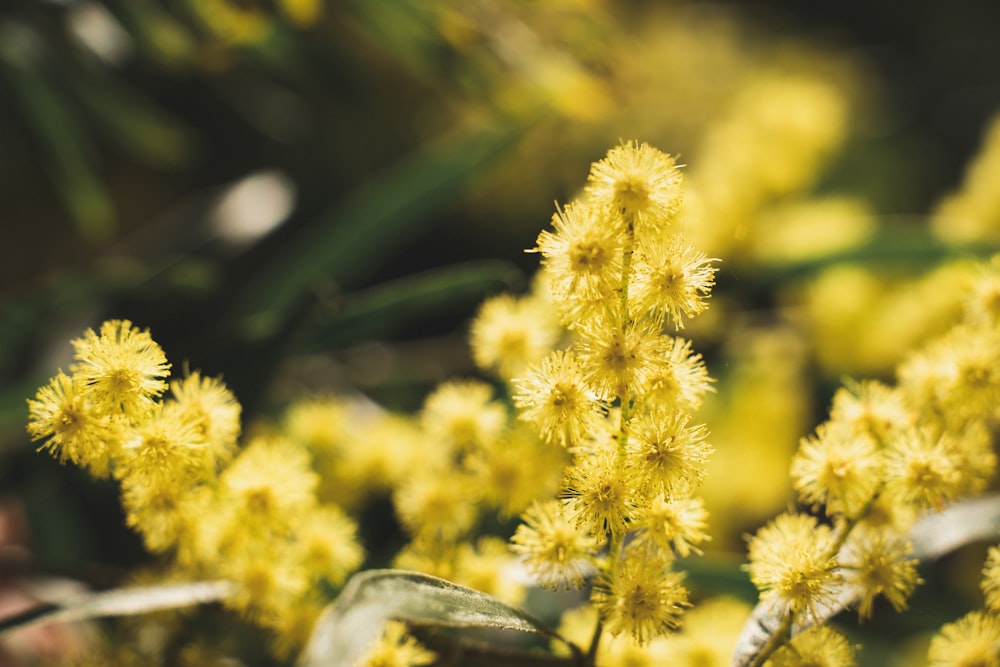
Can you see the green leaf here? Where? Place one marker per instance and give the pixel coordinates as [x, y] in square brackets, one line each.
[122, 602]
[64, 144]
[351, 240]
[388, 307]
[356, 619]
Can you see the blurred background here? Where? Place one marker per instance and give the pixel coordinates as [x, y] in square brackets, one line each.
[304, 196]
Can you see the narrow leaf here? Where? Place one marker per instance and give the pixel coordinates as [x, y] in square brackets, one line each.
[122, 602]
[358, 616]
[352, 240]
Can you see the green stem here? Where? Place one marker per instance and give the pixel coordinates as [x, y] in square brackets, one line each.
[776, 641]
[626, 396]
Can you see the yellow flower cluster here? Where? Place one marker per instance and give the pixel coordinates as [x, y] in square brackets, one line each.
[617, 396]
[887, 455]
[251, 516]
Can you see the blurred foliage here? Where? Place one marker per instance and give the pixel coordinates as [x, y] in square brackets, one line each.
[290, 194]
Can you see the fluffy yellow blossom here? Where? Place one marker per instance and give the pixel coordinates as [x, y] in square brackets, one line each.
[461, 415]
[639, 183]
[991, 579]
[681, 380]
[122, 370]
[878, 562]
[667, 453]
[555, 551]
[556, 398]
[213, 411]
[640, 597]
[673, 281]
[600, 492]
[396, 648]
[677, 525]
[510, 334]
[817, 646]
[838, 468]
[517, 469]
[329, 544]
[73, 431]
[971, 641]
[618, 359]
[792, 564]
[165, 449]
[583, 257]
[873, 409]
[439, 504]
[921, 471]
[271, 483]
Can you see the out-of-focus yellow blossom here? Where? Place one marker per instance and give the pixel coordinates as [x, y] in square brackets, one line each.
[817, 646]
[991, 579]
[490, 567]
[971, 641]
[509, 334]
[517, 469]
[462, 417]
[864, 323]
[396, 648]
[972, 213]
[776, 135]
[787, 232]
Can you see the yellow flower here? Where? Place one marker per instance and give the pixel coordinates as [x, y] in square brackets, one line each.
[583, 258]
[615, 359]
[555, 551]
[439, 504]
[668, 455]
[838, 468]
[516, 469]
[213, 411]
[792, 565]
[601, 492]
[971, 641]
[271, 485]
[921, 471]
[396, 648]
[672, 280]
[556, 398]
[640, 596]
[163, 450]
[461, 416]
[678, 525]
[328, 540]
[637, 182]
[122, 370]
[681, 380]
[72, 430]
[817, 646]
[878, 562]
[991, 579]
[872, 409]
[509, 334]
